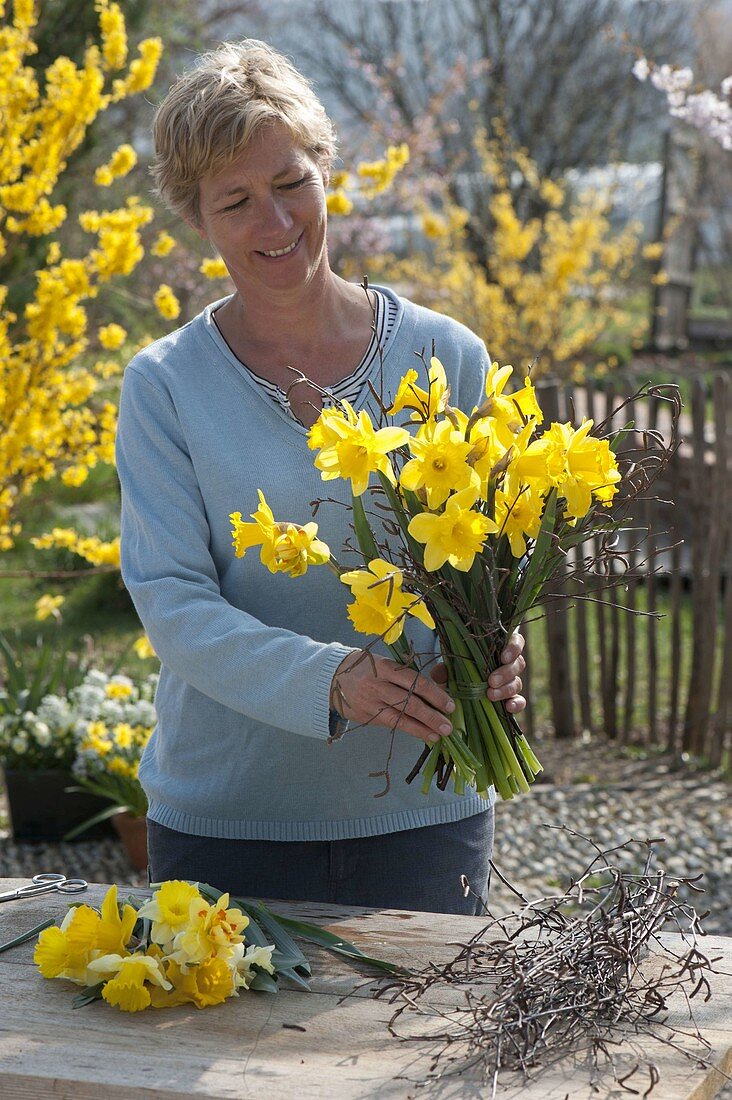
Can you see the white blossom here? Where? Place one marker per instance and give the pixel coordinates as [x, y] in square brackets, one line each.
[42, 734]
[641, 69]
[702, 109]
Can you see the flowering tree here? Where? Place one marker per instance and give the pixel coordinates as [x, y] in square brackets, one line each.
[700, 107]
[543, 286]
[52, 368]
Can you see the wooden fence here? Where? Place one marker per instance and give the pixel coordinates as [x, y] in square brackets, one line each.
[611, 665]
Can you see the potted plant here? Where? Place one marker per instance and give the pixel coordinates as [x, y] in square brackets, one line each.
[37, 744]
[112, 719]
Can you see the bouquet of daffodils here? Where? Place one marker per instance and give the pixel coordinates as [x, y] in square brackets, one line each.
[476, 514]
[185, 945]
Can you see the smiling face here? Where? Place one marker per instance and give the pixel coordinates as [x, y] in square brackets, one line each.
[265, 214]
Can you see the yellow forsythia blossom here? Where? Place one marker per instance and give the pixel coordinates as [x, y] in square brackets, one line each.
[114, 34]
[112, 336]
[163, 244]
[542, 287]
[433, 226]
[379, 174]
[652, 251]
[122, 161]
[338, 203]
[166, 302]
[53, 422]
[141, 71]
[90, 548]
[214, 268]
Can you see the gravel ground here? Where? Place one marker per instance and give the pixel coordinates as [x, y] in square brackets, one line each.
[587, 787]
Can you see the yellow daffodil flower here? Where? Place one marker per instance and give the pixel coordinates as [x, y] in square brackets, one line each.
[48, 605]
[380, 605]
[254, 956]
[286, 547]
[357, 449]
[455, 535]
[68, 951]
[169, 909]
[115, 930]
[143, 648]
[428, 403]
[209, 983]
[332, 426]
[510, 412]
[212, 930]
[127, 989]
[440, 462]
[518, 514]
[578, 464]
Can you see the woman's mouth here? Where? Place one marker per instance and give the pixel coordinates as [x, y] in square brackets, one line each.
[276, 253]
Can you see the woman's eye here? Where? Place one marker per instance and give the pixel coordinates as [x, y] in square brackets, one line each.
[235, 205]
[295, 184]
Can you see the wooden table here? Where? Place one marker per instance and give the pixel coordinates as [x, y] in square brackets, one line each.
[245, 1049]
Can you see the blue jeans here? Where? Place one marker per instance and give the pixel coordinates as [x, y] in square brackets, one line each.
[413, 869]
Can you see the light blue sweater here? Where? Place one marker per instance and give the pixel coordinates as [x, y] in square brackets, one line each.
[241, 748]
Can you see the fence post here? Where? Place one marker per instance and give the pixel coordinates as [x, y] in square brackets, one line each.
[557, 624]
[722, 726]
[705, 581]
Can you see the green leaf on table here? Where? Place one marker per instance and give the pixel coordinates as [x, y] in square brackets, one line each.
[24, 936]
[93, 993]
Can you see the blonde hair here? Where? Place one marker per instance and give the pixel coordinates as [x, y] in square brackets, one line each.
[212, 112]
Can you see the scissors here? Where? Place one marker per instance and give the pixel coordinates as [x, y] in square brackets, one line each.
[42, 884]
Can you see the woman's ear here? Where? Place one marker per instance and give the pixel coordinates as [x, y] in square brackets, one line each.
[193, 221]
[196, 226]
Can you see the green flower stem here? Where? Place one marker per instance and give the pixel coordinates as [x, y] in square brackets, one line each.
[502, 740]
[494, 756]
[430, 765]
[528, 754]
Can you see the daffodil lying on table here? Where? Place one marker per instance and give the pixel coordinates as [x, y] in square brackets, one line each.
[187, 944]
[481, 510]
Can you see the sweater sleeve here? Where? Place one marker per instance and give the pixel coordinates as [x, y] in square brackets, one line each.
[273, 675]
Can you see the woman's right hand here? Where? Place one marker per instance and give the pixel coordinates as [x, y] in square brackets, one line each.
[373, 690]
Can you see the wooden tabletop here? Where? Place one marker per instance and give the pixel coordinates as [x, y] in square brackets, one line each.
[244, 1048]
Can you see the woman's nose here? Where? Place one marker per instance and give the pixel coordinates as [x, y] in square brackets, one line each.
[274, 216]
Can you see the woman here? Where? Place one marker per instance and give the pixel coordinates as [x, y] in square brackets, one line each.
[251, 785]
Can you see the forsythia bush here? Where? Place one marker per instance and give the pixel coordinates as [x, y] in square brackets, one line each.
[52, 423]
[549, 287]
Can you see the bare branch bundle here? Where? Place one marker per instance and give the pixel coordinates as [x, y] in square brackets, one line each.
[572, 974]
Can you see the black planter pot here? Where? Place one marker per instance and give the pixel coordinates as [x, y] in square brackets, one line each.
[40, 808]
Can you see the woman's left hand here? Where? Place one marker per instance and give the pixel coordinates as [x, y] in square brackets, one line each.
[505, 683]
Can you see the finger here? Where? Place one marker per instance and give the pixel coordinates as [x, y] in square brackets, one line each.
[420, 686]
[414, 708]
[505, 673]
[515, 704]
[513, 687]
[397, 719]
[513, 648]
[439, 673]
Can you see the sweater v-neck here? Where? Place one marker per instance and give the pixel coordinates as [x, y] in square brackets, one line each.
[401, 332]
